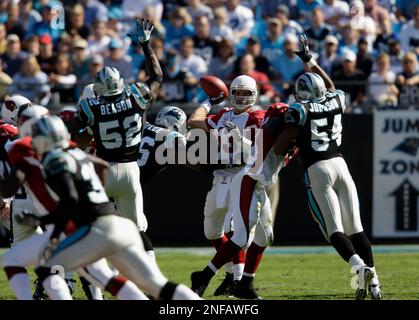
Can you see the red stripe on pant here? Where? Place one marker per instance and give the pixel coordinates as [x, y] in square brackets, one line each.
[246, 195]
[239, 257]
[217, 243]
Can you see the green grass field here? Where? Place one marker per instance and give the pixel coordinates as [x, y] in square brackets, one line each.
[285, 275]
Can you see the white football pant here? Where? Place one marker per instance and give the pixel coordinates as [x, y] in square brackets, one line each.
[333, 198]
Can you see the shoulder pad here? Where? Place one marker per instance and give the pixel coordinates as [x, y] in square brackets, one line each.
[296, 114]
[276, 109]
[8, 130]
[256, 117]
[19, 149]
[58, 161]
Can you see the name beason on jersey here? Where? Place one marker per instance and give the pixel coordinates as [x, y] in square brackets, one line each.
[112, 107]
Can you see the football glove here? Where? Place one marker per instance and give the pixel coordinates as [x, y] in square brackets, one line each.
[304, 53]
[235, 132]
[218, 99]
[143, 31]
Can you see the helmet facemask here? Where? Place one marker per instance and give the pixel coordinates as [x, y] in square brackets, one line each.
[243, 98]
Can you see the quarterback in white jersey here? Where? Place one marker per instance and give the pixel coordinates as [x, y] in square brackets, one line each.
[217, 218]
[315, 122]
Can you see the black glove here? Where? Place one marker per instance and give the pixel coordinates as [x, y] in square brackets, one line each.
[304, 52]
[218, 99]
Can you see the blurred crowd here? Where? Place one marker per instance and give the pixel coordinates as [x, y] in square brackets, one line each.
[50, 49]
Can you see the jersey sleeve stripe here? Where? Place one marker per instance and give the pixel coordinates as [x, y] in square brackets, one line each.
[88, 112]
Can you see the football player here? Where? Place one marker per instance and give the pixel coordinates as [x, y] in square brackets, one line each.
[250, 207]
[243, 95]
[26, 170]
[169, 120]
[115, 118]
[82, 200]
[315, 121]
[21, 201]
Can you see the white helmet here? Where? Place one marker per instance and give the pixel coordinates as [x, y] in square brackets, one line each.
[310, 86]
[11, 107]
[49, 133]
[108, 82]
[88, 92]
[26, 117]
[243, 83]
[173, 118]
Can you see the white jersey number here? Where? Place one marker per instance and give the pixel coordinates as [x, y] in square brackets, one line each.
[146, 145]
[110, 132]
[97, 195]
[324, 131]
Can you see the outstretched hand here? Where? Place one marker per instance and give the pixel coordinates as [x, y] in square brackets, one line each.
[304, 53]
[143, 31]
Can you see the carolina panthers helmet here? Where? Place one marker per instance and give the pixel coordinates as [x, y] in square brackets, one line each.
[11, 107]
[108, 82]
[49, 133]
[247, 83]
[26, 117]
[310, 86]
[171, 117]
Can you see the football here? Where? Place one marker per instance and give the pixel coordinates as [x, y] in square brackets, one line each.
[213, 86]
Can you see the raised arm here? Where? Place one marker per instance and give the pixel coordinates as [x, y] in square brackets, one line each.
[305, 55]
[142, 37]
[199, 116]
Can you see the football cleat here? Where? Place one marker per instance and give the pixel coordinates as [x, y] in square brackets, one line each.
[226, 285]
[365, 275]
[39, 293]
[199, 282]
[375, 292]
[244, 290]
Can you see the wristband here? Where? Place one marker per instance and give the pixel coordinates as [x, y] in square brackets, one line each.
[312, 62]
[206, 105]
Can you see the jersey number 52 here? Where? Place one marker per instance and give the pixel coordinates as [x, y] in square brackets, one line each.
[113, 136]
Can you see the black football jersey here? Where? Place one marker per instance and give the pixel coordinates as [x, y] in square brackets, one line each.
[93, 201]
[117, 125]
[320, 137]
[149, 167]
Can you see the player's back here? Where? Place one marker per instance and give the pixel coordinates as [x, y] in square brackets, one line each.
[321, 122]
[92, 199]
[117, 124]
[147, 153]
